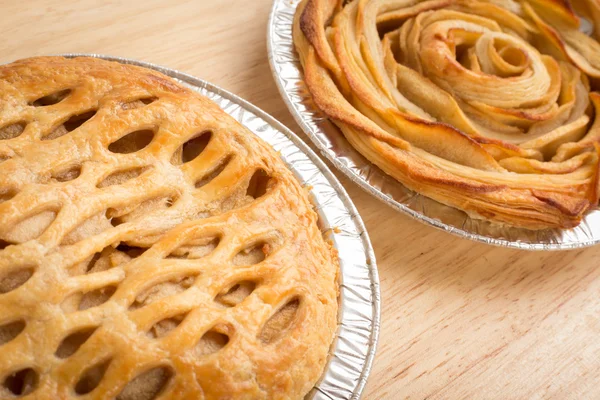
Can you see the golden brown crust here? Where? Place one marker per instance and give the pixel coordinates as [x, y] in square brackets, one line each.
[459, 99]
[151, 246]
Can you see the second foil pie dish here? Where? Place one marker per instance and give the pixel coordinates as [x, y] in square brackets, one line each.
[477, 118]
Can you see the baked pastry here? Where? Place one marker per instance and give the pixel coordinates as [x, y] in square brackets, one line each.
[152, 247]
[486, 106]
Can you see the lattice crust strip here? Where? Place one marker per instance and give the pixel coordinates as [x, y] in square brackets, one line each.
[152, 248]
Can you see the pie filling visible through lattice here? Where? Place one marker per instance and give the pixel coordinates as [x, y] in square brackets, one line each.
[150, 246]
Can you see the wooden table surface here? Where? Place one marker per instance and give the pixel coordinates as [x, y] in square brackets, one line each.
[460, 320]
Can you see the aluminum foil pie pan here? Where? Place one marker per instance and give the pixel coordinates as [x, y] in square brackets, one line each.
[353, 349]
[330, 141]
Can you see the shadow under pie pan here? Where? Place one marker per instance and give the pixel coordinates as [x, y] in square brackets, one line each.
[287, 71]
[353, 347]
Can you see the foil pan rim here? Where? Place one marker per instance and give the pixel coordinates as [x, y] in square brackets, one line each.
[304, 120]
[356, 366]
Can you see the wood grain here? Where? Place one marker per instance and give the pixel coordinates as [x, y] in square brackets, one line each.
[461, 320]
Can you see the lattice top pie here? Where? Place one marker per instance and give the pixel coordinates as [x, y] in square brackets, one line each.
[152, 248]
[487, 106]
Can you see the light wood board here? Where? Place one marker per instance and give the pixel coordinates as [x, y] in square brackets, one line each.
[460, 320]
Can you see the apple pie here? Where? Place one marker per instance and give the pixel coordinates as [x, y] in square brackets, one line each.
[151, 247]
[486, 106]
